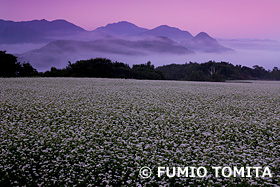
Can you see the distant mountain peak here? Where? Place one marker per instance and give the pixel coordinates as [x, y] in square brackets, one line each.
[121, 23]
[121, 28]
[43, 20]
[202, 35]
[36, 31]
[204, 42]
[166, 27]
[170, 32]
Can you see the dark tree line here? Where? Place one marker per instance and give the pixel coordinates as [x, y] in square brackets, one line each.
[105, 68]
[10, 67]
[217, 71]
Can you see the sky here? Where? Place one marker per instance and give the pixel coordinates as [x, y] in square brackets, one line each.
[220, 18]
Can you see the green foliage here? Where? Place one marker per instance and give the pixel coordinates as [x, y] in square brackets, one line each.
[10, 67]
[99, 67]
[146, 71]
[105, 68]
[209, 71]
[216, 72]
[275, 74]
[27, 70]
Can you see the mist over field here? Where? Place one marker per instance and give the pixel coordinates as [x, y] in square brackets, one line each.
[247, 57]
[42, 62]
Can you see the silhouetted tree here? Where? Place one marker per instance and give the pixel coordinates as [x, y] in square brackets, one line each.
[99, 67]
[54, 72]
[260, 72]
[216, 71]
[275, 74]
[26, 70]
[9, 67]
[209, 71]
[146, 71]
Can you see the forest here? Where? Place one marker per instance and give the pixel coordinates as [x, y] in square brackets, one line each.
[217, 72]
[105, 68]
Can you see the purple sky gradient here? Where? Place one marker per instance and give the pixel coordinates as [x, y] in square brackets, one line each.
[219, 18]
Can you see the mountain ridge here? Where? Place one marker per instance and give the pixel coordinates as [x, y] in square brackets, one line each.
[121, 28]
[61, 39]
[35, 31]
[170, 32]
[204, 43]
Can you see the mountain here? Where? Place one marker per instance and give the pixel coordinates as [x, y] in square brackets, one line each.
[58, 53]
[170, 32]
[57, 42]
[36, 31]
[201, 43]
[122, 28]
[43, 31]
[205, 43]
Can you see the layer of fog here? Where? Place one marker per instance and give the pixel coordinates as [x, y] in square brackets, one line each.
[249, 58]
[265, 58]
[20, 48]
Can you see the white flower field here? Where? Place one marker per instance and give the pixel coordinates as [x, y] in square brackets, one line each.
[101, 132]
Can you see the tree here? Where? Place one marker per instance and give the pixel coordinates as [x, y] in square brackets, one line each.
[54, 72]
[147, 71]
[26, 70]
[275, 74]
[260, 72]
[9, 67]
[216, 71]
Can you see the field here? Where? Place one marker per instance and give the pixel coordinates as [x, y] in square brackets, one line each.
[98, 132]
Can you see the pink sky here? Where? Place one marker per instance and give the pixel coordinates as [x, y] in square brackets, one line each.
[219, 18]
